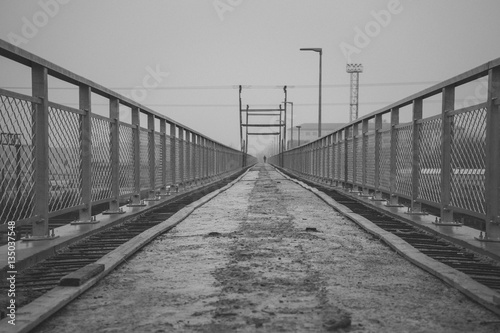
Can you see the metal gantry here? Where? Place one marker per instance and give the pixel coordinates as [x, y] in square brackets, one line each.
[56, 159]
[278, 122]
[447, 162]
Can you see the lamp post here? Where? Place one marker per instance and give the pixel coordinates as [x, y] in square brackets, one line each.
[320, 51]
[291, 125]
[299, 133]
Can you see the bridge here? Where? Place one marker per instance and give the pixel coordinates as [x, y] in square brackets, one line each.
[68, 173]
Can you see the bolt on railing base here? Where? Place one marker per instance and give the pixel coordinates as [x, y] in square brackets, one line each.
[164, 191]
[38, 238]
[140, 204]
[117, 211]
[84, 222]
[152, 196]
[365, 193]
[152, 199]
[450, 223]
[50, 236]
[415, 213]
[393, 202]
[377, 196]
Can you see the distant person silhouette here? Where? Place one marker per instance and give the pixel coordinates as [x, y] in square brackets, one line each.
[265, 158]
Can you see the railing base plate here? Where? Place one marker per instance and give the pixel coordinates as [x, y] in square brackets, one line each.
[38, 238]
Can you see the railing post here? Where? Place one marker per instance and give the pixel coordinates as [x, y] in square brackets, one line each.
[329, 146]
[114, 116]
[324, 163]
[197, 157]
[85, 213]
[364, 149]
[448, 104]
[416, 207]
[40, 227]
[181, 157]
[377, 195]
[393, 199]
[347, 132]
[152, 159]
[493, 157]
[335, 168]
[188, 156]
[136, 132]
[212, 159]
[163, 140]
[355, 134]
[173, 169]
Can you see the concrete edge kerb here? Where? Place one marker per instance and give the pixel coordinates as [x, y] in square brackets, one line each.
[49, 303]
[483, 295]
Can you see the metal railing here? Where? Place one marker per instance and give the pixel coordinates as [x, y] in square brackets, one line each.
[55, 159]
[449, 162]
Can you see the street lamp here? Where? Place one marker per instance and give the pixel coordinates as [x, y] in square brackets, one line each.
[299, 132]
[320, 50]
[291, 125]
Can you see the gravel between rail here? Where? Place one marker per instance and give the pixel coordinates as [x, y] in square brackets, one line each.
[245, 262]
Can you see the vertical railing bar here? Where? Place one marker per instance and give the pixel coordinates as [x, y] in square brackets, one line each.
[164, 167]
[364, 158]
[173, 148]
[378, 144]
[85, 213]
[416, 207]
[114, 116]
[492, 186]
[136, 133]
[181, 157]
[393, 199]
[40, 227]
[448, 104]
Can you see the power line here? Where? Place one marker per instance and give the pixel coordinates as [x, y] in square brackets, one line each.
[257, 105]
[233, 87]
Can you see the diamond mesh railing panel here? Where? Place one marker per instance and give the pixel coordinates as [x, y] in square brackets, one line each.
[370, 145]
[404, 160]
[177, 161]
[384, 149]
[168, 167]
[350, 159]
[189, 160]
[17, 183]
[336, 157]
[331, 155]
[101, 159]
[468, 160]
[126, 155]
[158, 160]
[358, 142]
[65, 182]
[197, 161]
[328, 164]
[342, 161]
[430, 160]
[144, 145]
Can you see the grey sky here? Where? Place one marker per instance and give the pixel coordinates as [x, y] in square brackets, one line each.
[216, 45]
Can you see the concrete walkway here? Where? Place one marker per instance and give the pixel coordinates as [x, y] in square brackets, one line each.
[268, 256]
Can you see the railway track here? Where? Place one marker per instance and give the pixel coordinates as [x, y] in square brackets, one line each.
[482, 270]
[38, 279]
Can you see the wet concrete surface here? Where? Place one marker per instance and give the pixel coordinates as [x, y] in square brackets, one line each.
[268, 256]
